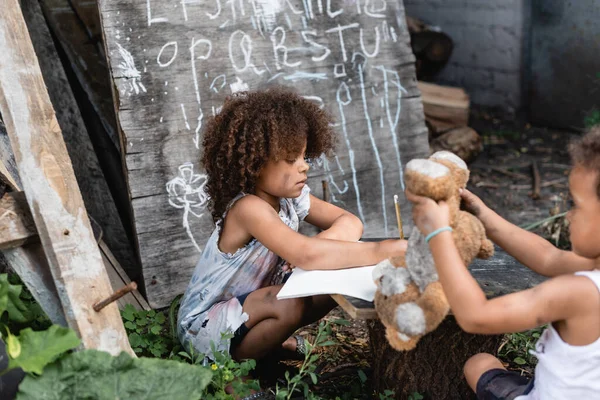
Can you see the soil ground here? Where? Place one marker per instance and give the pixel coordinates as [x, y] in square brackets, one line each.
[502, 176]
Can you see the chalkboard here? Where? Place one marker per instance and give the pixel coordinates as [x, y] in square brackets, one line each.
[173, 62]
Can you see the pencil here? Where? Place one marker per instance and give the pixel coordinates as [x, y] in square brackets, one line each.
[398, 217]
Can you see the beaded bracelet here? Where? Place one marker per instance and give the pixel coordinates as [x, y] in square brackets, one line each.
[434, 233]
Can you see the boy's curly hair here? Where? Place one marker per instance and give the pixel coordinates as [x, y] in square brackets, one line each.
[586, 152]
[252, 128]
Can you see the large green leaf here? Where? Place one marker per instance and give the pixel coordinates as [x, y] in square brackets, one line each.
[96, 375]
[10, 301]
[39, 348]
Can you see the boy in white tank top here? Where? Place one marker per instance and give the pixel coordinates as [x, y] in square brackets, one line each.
[569, 350]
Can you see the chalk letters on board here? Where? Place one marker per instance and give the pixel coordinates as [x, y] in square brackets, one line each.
[173, 62]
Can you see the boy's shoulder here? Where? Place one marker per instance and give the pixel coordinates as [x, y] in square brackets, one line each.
[575, 291]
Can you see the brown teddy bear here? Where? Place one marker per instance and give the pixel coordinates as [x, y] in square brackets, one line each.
[410, 300]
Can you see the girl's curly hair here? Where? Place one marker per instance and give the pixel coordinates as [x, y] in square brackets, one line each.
[252, 128]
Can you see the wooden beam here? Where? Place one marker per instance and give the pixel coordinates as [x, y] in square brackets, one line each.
[52, 192]
[88, 63]
[17, 229]
[16, 225]
[92, 183]
[30, 263]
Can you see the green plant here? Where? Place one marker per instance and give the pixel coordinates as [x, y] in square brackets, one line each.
[92, 374]
[516, 346]
[228, 373]
[29, 350]
[298, 383]
[592, 118]
[387, 395]
[415, 396]
[148, 332]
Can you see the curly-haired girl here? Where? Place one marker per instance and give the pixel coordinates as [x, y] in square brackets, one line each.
[255, 152]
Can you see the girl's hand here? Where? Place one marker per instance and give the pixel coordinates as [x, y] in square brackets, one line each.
[472, 203]
[393, 247]
[427, 214]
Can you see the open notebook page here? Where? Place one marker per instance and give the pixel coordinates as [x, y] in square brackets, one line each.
[354, 282]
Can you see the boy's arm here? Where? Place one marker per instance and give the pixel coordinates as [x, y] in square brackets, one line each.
[334, 222]
[554, 300]
[530, 249]
[261, 221]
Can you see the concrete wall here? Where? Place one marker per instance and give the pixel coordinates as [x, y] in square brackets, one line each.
[564, 73]
[490, 38]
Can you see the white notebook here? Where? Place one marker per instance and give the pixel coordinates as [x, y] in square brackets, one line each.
[354, 282]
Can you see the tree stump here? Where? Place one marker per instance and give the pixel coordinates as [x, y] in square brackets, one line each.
[434, 368]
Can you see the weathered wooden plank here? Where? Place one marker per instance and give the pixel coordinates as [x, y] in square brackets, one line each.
[118, 279]
[92, 183]
[17, 229]
[87, 11]
[7, 159]
[52, 192]
[16, 225]
[88, 63]
[173, 65]
[30, 263]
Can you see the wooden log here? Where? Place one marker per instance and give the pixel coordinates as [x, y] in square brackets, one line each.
[445, 107]
[433, 368]
[90, 178]
[52, 192]
[432, 47]
[463, 141]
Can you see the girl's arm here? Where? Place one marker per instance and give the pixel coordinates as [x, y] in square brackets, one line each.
[554, 300]
[334, 222]
[260, 220]
[530, 249]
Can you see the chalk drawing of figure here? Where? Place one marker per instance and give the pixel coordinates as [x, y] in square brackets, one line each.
[187, 192]
[130, 72]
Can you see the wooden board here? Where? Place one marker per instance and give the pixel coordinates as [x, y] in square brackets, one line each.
[17, 229]
[92, 183]
[16, 224]
[9, 167]
[173, 63]
[88, 63]
[52, 192]
[445, 107]
[500, 275]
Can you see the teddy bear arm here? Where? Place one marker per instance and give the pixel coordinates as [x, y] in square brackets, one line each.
[486, 250]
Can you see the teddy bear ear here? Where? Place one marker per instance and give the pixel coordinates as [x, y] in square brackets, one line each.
[428, 178]
[450, 157]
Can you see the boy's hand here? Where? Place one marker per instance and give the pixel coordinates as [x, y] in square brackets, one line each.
[472, 203]
[427, 214]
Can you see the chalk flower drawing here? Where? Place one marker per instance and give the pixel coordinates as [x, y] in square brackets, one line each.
[187, 192]
[130, 72]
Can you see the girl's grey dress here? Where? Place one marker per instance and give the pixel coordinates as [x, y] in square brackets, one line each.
[210, 306]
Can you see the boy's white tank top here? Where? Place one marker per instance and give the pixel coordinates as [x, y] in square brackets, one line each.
[564, 371]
